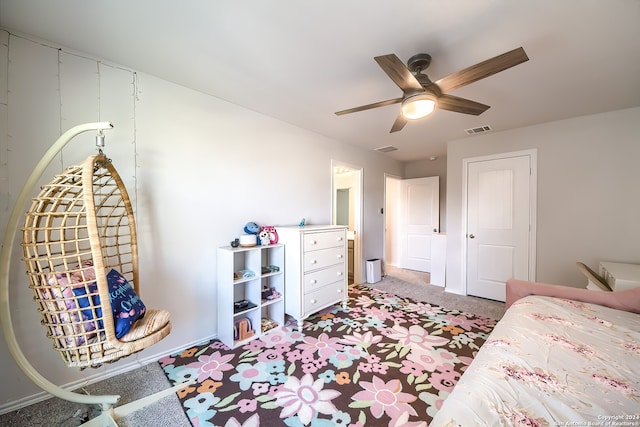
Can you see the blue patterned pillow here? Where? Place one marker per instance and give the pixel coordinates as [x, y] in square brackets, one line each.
[127, 306]
[84, 302]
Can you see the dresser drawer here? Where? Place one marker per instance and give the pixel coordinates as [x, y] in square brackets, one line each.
[323, 258]
[323, 297]
[329, 239]
[320, 278]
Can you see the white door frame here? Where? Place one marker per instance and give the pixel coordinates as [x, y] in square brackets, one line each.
[358, 213]
[533, 187]
[386, 243]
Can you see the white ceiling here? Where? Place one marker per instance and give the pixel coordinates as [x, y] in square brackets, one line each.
[300, 61]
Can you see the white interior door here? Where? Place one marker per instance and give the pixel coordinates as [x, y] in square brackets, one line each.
[419, 220]
[498, 224]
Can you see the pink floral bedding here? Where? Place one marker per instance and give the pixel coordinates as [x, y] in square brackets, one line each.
[552, 362]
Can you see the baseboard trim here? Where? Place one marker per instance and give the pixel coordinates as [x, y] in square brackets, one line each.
[136, 363]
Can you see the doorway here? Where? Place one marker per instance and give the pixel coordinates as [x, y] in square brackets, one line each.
[499, 218]
[346, 190]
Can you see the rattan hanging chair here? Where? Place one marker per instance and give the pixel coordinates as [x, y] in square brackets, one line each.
[80, 227]
[79, 230]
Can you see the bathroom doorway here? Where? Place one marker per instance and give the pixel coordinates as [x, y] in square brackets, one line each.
[346, 189]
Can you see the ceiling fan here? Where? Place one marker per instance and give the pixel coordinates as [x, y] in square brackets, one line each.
[421, 96]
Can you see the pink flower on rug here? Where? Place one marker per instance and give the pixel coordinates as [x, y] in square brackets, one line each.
[313, 366]
[276, 338]
[415, 336]
[364, 301]
[377, 312]
[425, 309]
[247, 405]
[427, 360]
[411, 368]
[253, 421]
[254, 345]
[260, 388]
[270, 355]
[461, 321]
[444, 380]
[362, 340]
[305, 398]
[325, 346]
[212, 366]
[403, 421]
[385, 398]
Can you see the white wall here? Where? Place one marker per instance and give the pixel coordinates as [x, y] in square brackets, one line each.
[588, 203]
[198, 168]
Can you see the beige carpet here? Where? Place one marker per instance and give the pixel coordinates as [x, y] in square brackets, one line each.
[169, 413]
[415, 284]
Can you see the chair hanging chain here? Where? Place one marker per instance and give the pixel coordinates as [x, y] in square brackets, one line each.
[100, 140]
[100, 145]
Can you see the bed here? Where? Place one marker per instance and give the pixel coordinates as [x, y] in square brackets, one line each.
[559, 356]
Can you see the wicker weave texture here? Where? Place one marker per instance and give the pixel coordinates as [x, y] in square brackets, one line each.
[79, 227]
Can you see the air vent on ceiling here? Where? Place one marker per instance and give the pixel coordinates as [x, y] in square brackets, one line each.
[386, 149]
[480, 129]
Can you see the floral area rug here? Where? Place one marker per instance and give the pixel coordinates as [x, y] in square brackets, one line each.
[382, 361]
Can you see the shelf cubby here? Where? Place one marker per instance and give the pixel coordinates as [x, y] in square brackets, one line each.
[266, 264]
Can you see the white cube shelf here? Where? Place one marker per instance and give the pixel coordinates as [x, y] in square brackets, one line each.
[233, 287]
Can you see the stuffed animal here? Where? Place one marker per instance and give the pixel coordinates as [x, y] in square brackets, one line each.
[263, 237]
[253, 228]
[273, 234]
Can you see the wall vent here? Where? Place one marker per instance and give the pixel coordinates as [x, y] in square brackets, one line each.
[386, 149]
[480, 129]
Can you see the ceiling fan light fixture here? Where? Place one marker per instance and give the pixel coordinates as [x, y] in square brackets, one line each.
[418, 106]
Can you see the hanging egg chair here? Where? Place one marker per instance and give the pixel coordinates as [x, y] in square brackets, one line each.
[79, 233]
[81, 253]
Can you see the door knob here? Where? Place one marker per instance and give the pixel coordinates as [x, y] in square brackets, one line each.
[471, 236]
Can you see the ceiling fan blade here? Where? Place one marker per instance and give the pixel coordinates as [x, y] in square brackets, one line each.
[399, 123]
[369, 106]
[482, 70]
[461, 105]
[398, 72]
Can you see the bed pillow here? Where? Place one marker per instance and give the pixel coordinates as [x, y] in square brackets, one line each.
[127, 306]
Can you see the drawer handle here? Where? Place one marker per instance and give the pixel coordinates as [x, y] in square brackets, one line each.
[339, 291]
[340, 256]
[315, 261]
[313, 282]
[339, 273]
[314, 242]
[313, 301]
[340, 239]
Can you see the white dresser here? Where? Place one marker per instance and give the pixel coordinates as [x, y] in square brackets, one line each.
[315, 268]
